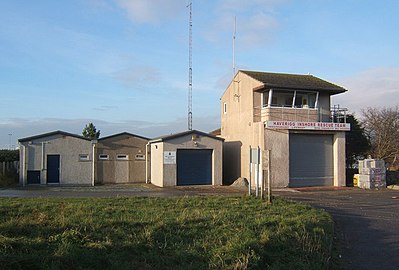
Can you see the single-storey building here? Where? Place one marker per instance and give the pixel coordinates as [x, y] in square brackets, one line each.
[121, 159]
[68, 159]
[56, 158]
[187, 158]
[291, 116]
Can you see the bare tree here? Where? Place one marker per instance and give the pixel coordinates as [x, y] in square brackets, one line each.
[382, 128]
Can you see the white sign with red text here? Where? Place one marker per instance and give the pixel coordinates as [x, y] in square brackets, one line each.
[308, 125]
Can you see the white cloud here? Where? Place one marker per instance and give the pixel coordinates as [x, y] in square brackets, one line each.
[152, 11]
[239, 5]
[256, 22]
[378, 87]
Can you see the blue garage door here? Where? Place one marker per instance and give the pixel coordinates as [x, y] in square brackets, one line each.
[53, 168]
[194, 167]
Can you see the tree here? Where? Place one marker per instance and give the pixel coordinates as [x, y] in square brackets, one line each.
[382, 128]
[91, 132]
[357, 143]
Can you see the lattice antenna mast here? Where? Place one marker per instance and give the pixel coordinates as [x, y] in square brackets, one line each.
[234, 46]
[190, 68]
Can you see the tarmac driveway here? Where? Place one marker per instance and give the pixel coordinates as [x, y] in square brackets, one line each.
[367, 224]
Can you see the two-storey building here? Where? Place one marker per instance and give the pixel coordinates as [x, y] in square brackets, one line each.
[290, 115]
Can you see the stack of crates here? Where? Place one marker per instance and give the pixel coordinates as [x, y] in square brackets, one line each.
[372, 174]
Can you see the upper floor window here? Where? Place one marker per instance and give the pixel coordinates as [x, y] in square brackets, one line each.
[224, 107]
[290, 99]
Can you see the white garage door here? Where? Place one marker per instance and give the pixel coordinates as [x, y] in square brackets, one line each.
[311, 160]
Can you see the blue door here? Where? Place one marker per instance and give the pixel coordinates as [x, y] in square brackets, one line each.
[53, 168]
[194, 167]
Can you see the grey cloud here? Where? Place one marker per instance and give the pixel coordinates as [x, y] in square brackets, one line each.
[21, 128]
[138, 75]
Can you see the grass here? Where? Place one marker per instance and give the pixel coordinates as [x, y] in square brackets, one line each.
[162, 233]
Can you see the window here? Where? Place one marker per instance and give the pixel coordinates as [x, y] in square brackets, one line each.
[265, 99]
[83, 157]
[140, 157]
[103, 157]
[285, 98]
[225, 108]
[122, 157]
[305, 100]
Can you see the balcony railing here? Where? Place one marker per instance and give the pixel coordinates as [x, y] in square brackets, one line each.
[334, 114]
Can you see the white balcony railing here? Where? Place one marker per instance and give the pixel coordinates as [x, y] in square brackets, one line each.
[334, 114]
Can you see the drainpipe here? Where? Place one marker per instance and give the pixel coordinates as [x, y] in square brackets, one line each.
[22, 164]
[93, 167]
[146, 163]
[43, 161]
[43, 143]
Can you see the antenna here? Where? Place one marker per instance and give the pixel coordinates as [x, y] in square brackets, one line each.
[190, 68]
[234, 46]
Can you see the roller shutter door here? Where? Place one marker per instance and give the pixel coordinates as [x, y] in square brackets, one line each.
[311, 160]
[194, 167]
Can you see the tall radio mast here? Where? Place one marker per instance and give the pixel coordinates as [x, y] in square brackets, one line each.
[190, 69]
[234, 46]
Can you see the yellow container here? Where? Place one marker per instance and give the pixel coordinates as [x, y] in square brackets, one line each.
[356, 180]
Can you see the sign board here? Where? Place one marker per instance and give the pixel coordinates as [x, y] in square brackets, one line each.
[308, 125]
[169, 157]
[255, 159]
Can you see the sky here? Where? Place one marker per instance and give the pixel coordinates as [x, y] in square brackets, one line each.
[123, 64]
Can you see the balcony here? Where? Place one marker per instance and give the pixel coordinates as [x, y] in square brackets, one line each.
[304, 114]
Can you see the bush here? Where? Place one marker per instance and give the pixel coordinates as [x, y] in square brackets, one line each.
[9, 178]
[9, 155]
[392, 178]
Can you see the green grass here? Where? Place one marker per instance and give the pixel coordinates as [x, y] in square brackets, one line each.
[162, 233]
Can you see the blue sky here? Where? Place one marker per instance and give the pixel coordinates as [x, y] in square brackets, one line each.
[123, 65]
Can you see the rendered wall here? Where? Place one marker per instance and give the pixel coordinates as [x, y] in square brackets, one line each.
[121, 171]
[72, 171]
[165, 174]
[238, 128]
[278, 142]
[157, 168]
[339, 159]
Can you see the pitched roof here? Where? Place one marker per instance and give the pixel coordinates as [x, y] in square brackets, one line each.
[293, 81]
[216, 132]
[123, 133]
[58, 132]
[184, 133]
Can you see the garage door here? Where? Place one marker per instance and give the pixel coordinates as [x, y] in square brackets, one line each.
[194, 167]
[311, 160]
